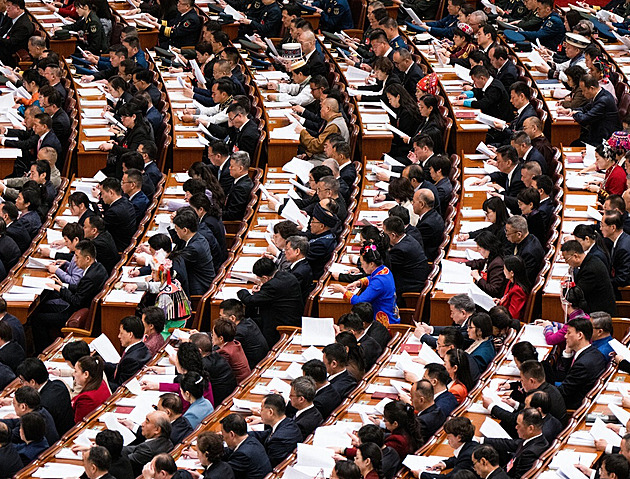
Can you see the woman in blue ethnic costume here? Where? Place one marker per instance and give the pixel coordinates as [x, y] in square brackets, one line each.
[377, 288]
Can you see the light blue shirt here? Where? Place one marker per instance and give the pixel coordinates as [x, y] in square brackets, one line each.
[198, 411]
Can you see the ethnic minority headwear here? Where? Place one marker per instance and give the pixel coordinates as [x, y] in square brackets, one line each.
[162, 264]
[619, 141]
[324, 217]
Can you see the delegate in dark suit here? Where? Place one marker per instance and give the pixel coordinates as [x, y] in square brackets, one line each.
[371, 350]
[593, 278]
[507, 74]
[237, 200]
[599, 118]
[317, 63]
[409, 265]
[6, 375]
[620, 258]
[120, 221]
[504, 136]
[106, 251]
[244, 139]
[143, 453]
[222, 174]
[534, 155]
[411, 77]
[55, 398]
[546, 208]
[431, 419]
[308, 420]
[51, 140]
[12, 354]
[51, 433]
[463, 461]
[304, 274]
[581, 375]
[379, 333]
[494, 101]
[61, 127]
[140, 203]
[132, 360]
[344, 383]
[431, 226]
[522, 456]
[180, 429]
[252, 340]
[18, 232]
[446, 401]
[199, 264]
[282, 442]
[249, 461]
[511, 188]
[279, 302]
[532, 254]
[10, 462]
[31, 222]
[221, 376]
[327, 399]
[14, 37]
[16, 328]
[218, 470]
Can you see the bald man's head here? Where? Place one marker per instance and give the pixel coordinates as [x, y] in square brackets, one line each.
[423, 201]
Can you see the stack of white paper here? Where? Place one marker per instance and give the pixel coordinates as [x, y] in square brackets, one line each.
[317, 331]
[103, 346]
[492, 429]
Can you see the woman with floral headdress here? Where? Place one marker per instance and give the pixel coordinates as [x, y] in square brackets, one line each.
[614, 177]
[601, 70]
[168, 291]
[463, 45]
[377, 288]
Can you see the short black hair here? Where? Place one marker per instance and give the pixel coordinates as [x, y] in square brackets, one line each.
[34, 369]
[74, 351]
[155, 315]
[316, 369]
[364, 311]
[110, 440]
[133, 324]
[234, 423]
[86, 247]
[582, 325]
[34, 426]
[100, 457]
[336, 352]
[488, 453]
[29, 396]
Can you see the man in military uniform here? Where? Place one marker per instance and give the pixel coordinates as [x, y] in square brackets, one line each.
[336, 15]
[266, 21]
[93, 39]
[183, 30]
[551, 34]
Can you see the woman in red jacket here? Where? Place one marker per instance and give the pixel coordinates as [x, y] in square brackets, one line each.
[88, 373]
[400, 421]
[614, 177]
[518, 287]
[223, 335]
[369, 459]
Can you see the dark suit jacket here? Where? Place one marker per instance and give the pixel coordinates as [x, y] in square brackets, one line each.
[154, 93]
[379, 333]
[599, 118]
[140, 203]
[51, 433]
[199, 264]
[462, 462]
[371, 350]
[218, 470]
[343, 383]
[321, 248]
[221, 376]
[245, 139]
[153, 172]
[249, 461]
[546, 209]
[252, 340]
[106, 251]
[282, 442]
[9, 252]
[16, 327]
[327, 400]
[181, 429]
[80, 295]
[581, 376]
[6, 375]
[223, 175]
[537, 156]
[237, 200]
[61, 127]
[304, 274]
[523, 457]
[512, 189]
[551, 428]
[20, 235]
[620, 258]
[495, 281]
[431, 226]
[431, 419]
[308, 421]
[494, 101]
[120, 221]
[143, 453]
[593, 278]
[498, 473]
[10, 462]
[409, 265]
[317, 63]
[121, 468]
[279, 302]
[348, 174]
[17, 39]
[132, 360]
[12, 354]
[55, 398]
[31, 222]
[52, 141]
[411, 78]
[531, 252]
[508, 74]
